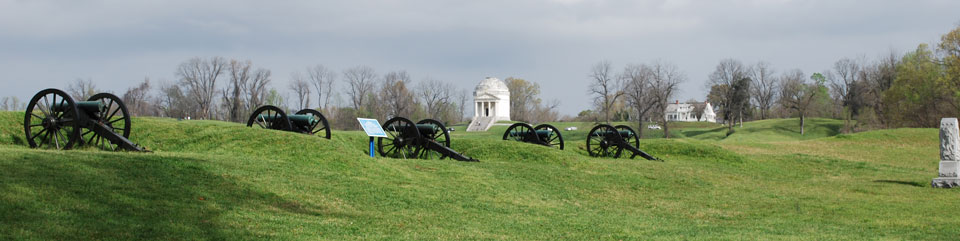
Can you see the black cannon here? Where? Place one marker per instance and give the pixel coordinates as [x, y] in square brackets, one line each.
[54, 120]
[306, 121]
[542, 134]
[427, 139]
[609, 141]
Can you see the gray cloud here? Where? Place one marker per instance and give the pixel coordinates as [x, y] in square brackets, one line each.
[116, 43]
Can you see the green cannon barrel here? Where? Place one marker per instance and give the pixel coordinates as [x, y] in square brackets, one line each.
[86, 106]
[302, 120]
[296, 119]
[426, 129]
[540, 133]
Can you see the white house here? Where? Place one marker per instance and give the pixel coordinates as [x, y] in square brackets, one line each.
[491, 102]
[684, 112]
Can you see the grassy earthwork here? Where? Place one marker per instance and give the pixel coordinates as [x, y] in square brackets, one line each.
[224, 181]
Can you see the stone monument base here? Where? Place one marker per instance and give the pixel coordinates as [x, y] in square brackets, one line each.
[946, 182]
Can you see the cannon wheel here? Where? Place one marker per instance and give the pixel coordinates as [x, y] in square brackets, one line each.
[440, 135]
[47, 127]
[402, 138]
[113, 115]
[602, 140]
[555, 139]
[633, 139]
[269, 110]
[321, 128]
[522, 131]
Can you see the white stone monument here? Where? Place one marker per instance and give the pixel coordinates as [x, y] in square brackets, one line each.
[491, 103]
[949, 154]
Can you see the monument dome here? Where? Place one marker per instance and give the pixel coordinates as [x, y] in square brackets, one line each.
[491, 101]
[493, 86]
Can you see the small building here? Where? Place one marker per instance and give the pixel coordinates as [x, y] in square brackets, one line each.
[685, 112]
[491, 102]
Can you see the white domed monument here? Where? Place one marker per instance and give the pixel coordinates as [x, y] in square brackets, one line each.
[491, 103]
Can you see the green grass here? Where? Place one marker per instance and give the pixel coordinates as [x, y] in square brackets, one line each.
[216, 180]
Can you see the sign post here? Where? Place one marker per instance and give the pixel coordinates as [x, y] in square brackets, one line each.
[373, 129]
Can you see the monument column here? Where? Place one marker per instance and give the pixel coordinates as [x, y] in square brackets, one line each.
[484, 111]
[949, 154]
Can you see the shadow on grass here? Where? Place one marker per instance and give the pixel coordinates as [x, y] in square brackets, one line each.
[109, 196]
[908, 183]
[697, 133]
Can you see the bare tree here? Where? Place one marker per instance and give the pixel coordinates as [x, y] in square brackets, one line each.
[174, 102]
[846, 88]
[199, 77]
[301, 89]
[664, 82]
[360, 81]
[797, 94]
[234, 93]
[722, 81]
[546, 112]
[436, 95]
[322, 80]
[11, 103]
[81, 89]
[395, 94]
[879, 79]
[256, 89]
[764, 88]
[137, 99]
[604, 88]
[639, 92]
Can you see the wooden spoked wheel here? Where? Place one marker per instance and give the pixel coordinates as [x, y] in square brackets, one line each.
[602, 140]
[113, 115]
[552, 138]
[521, 132]
[52, 120]
[401, 141]
[319, 128]
[628, 135]
[431, 129]
[269, 117]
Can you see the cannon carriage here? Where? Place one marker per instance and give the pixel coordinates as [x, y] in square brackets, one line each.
[54, 120]
[426, 139]
[543, 134]
[612, 141]
[306, 121]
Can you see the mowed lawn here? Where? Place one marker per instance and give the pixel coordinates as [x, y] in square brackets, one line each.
[224, 181]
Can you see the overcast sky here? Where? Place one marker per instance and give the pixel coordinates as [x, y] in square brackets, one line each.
[552, 42]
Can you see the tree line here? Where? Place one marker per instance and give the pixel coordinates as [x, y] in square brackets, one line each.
[913, 89]
[216, 88]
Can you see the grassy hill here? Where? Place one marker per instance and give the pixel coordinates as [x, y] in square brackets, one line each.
[217, 180]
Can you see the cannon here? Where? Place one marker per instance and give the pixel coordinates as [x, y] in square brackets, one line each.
[611, 141]
[427, 139]
[54, 120]
[306, 121]
[542, 134]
